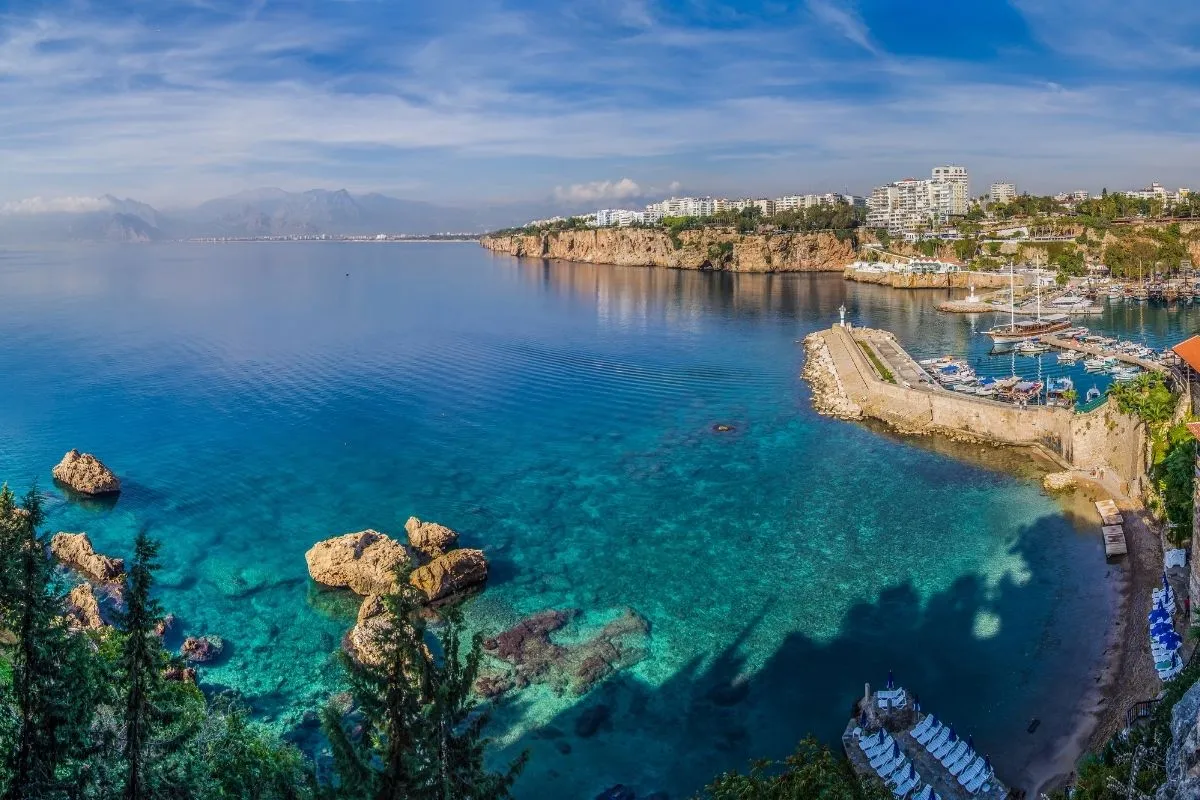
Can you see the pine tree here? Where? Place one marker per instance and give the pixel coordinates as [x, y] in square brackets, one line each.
[420, 736]
[142, 661]
[55, 685]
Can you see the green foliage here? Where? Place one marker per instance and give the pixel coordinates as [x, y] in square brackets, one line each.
[883, 371]
[813, 771]
[1176, 474]
[885, 238]
[1147, 397]
[720, 252]
[421, 732]
[1025, 205]
[966, 249]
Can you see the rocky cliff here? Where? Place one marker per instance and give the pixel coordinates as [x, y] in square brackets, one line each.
[697, 249]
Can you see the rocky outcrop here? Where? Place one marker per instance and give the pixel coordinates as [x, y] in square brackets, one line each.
[429, 538]
[83, 609]
[1059, 481]
[707, 248]
[364, 562]
[75, 550]
[362, 641]
[180, 674]
[84, 473]
[202, 649]
[1183, 754]
[529, 656]
[450, 574]
[829, 395]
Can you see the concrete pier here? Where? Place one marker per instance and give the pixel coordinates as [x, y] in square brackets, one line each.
[847, 384]
[1100, 352]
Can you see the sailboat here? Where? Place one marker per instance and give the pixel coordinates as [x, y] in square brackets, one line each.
[1021, 331]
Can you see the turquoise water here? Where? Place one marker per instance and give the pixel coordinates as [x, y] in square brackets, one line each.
[255, 398]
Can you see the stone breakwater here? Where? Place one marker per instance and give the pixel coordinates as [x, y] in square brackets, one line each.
[706, 248]
[846, 385]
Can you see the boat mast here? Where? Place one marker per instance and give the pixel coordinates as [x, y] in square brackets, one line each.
[1012, 299]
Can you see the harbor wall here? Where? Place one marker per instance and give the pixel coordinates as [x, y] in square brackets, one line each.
[942, 280]
[1102, 438]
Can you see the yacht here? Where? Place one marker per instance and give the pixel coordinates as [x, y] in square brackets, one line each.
[1015, 331]
[1092, 395]
[1068, 357]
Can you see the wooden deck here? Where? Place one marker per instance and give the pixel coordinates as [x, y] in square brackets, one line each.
[1113, 528]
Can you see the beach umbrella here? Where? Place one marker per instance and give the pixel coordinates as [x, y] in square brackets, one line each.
[971, 741]
[1159, 614]
[953, 736]
[1166, 584]
[916, 704]
[895, 749]
[891, 684]
[1171, 641]
[987, 763]
[1161, 629]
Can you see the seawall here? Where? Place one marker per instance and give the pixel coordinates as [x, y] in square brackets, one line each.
[706, 248]
[845, 384]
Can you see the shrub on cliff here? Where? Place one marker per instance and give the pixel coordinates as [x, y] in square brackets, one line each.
[812, 771]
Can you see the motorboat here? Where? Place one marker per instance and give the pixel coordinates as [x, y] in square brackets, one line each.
[1099, 364]
[1068, 357]
[1032, 347]
[1092, 395]
[1060, 392]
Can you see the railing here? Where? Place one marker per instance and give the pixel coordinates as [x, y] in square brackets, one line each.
[1145, 708]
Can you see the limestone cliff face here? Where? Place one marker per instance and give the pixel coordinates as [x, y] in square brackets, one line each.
[698, 249]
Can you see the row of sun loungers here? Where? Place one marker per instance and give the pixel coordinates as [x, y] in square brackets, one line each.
[890, 763]
[1164, 640]
[958, 757]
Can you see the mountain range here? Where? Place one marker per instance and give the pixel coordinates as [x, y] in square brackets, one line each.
[255, 213]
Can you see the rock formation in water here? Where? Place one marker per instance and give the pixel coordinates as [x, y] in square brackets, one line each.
[451, 573]
[706, 248]
[84, 473]
[202, 649]
[75, 550]
[364, 562]
[429, 538]
[1059, 481]
[829, 396]
[529, 656]
[83, 609]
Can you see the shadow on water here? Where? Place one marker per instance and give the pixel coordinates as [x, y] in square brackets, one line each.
[719, 713]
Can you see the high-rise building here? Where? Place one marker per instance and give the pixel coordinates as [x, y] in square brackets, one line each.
[960, 187]
[1002, 192]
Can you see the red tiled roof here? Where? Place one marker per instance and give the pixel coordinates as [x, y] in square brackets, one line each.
[1189, 351]
[1194, 429]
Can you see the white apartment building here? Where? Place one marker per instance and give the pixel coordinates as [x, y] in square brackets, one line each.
[1002, 192]
[619, 217]
[960, 187]
[1156, 191]
[795, 202]
[684, 207]
[904, 205]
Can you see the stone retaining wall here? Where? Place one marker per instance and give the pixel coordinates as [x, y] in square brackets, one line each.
[943, 280]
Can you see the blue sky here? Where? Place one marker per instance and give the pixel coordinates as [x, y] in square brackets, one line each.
[589, 103]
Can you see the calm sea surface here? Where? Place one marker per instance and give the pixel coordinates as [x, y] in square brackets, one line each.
[255, 398]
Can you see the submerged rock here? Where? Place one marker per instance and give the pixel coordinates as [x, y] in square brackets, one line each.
[202, 649]
[530, 656]
[618, 792]
[86, 474]
[451, 573]
[593, 720]
[166, 626]
[83, 609]
[364, 562]
[75, 550]
[180, 674]
[429, 538]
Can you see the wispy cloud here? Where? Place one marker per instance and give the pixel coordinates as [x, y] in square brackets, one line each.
[505, 98]
[56, 205]
[598, 191]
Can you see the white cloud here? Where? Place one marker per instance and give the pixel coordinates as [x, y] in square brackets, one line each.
[597, 190]
[844, 20]
[56, 205]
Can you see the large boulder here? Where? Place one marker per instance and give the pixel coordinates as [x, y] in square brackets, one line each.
[86, 474]
[362, 640]
[75, 550]
[364, 562]
[450, 573]
[202, 649]
[429, 538]
[83, 609]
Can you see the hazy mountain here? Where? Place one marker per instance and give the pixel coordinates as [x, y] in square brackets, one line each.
[258, 212]
[105, 219]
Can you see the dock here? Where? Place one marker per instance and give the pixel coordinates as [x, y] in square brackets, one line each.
[1100, 352]
[1113, 528]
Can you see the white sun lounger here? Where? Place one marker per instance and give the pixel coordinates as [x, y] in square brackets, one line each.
[908, 785]
[884, 745]
[970, 772]
[928, 736]
[938, 740]
[885, 757]
[890, 768]
[867, 741]
[959, 764]
[946, 747]
[955, 753]
[980, 779]
[922, 726]
[926, 793]
[901, 775]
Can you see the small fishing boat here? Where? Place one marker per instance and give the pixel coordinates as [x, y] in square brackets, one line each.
[1060, 392]
[1032, 347]
[1068, 357]
[1099, 364]
[1092, 395]
[1125, 374]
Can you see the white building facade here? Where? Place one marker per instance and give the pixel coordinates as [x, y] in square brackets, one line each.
[911, 203]
[1002, 192]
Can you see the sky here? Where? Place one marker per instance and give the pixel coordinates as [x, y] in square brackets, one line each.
[588, 103]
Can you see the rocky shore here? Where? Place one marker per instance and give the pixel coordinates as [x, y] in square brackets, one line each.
[829, 395]
[706, 248]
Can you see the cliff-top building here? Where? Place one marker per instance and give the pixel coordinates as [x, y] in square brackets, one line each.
[911, 203]
[1002, 193]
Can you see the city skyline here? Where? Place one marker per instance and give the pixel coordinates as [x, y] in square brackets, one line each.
[573, 105]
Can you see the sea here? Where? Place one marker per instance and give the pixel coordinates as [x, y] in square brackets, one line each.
[255, 398]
